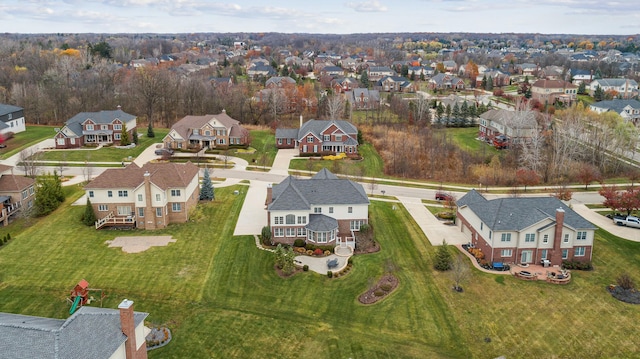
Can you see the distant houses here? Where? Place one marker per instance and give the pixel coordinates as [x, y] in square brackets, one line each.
[95, 128]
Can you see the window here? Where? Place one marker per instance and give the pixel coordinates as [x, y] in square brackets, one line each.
[291, 219]
[32, 190]
[505, 253]
[140, 197]
[90, 194]
[338, 138]
[579, 252]
[175, 192]
[543, 254]
[278, 232]
[140, 212]
[566, 238]
[123, 193]
[89, 127]
[158, 197]
[117, 126]
[278, 220]
[302, 220]
[302, 232]
[506, 237]
[116, 136]
[109, 193]
[196, 131]
[355, 225]
[581, 236]
[327, 137]
[207, 133]
[176, 207]
[158, 211]
[72, 141]
[221, 141]
[279, 141]
[103, 207]
[291, 232]
[481, 225]
[545, 238]
[350, 209]
[60, 141]
[104, 127]
[530, 237]
[310, 139]
[124, 210]
[330, 209]
[565, 253]
[317, 209]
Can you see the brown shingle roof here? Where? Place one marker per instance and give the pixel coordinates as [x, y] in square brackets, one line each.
[183, 126]
[554, 84]
[13, 183]
[163, 175]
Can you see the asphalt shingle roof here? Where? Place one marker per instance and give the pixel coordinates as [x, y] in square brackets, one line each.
[5, 109]
[617, 105]
[102, 117]
[163, 175]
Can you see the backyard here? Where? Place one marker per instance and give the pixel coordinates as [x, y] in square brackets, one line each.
[221, 297]
[21, 140]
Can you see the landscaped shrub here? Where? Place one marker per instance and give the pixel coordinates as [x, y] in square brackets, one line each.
[318, 252]
[266, 235]
[305, 268]
[327, 253]
[379, 292]
[625, 281]
[577, 265]
[330, 274]
[301, 250]
[310, 246]
[386, 287]
[309, 252]
[446, 215]
[298, 242]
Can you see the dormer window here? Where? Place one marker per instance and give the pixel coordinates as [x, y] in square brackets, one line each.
[89, 127]
[310, 139]
[196, 131]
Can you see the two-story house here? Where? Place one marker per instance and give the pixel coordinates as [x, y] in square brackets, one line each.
[445, 81]
[550, 91]
[320, 137]
[208, 131]
[375, 73]
[363, 99]
[624, 88]
[16, 193]
[95, 128]
[395, 84]
[516, 126]
[322, 210]
[11, 119]
[525, 229]
[150, 197]
[627, 109]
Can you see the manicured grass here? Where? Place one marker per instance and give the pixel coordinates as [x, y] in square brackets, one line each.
[466, 139]
[264, 142]
[31, 136]
[107, 154]
[371, 164]
[222, 298]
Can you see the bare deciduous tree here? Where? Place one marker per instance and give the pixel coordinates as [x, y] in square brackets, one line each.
[459, 272]
[335, 107]
[30, 162]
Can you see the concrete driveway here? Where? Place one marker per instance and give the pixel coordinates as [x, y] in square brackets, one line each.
[632, 234]
[281, 162]
[434, 229]
[253, 215]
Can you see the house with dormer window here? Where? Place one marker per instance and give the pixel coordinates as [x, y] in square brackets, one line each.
[95, 128]
[208, 131]
[320, 137]
[322, 210]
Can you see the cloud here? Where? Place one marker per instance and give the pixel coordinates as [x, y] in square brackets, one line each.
[367, 6]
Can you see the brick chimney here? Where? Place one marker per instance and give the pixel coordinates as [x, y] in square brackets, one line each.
[555, 256]
[128, 326]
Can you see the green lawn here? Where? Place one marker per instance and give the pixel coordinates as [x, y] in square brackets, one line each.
[264, 144]
[466, 139]
[222, 298]
[31, 136]
[107, 154]
[371, 164]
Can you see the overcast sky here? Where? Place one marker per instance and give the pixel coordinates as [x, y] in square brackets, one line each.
[616, 17]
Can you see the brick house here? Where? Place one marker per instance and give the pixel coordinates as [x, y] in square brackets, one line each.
[323, 210]
[208, 131]
[95, 128]
[16, 193]
[89, 333]
[516, 126]
[550, 91]
[150, 197]
[320, 137]
[525, 229]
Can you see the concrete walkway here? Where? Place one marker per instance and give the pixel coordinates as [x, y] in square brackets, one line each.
[434, 229]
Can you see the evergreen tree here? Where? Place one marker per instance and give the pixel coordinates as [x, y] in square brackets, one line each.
[447, 114]
[49, 194]
[455, 114]
[124, 136]
[464, 114]
[404, 71]
[279, 256]
[443, 258]
[484, 81]
[206, 192]
[364, 79]
[89, 217]
[489, 86]
[134, 136]
[598, 94]
[440, 113]
[288, 258]
[582, 88]
[422, 76]
[150, 132]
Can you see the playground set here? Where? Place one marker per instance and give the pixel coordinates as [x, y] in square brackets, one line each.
[80, 296]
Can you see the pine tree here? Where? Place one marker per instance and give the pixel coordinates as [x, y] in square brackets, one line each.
[206, 192]
[598, 94]
[455, 114]
[443, 258]
[89, 217]
[364, 79]
[150, 133]
[134, 135]
[124, 136]
[49, 194]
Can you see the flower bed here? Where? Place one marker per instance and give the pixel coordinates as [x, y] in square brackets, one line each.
[480, 258]
[385, 286]
[631, 296]
[158, 337]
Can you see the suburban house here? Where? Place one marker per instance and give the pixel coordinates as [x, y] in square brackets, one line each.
[11, 119]
[363, 98]
[395, 84]
[515, 126]
[95, 128]
[16, 193]
[322, 210]
[89, 333]
[375, 73]
[343, 84]
[550, 91]
[526, 69]
[279, 82]
[579, 76]
[320, 137]
[150, 197]
[624, 88]
[627, 109]
[539, 230]
[208, 131]
[445, 81]
[498, 78]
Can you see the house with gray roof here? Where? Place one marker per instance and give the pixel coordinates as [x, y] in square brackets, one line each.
[95, 128]
[11, 119]
[627, 109]
[207, 131]
[322, 210]
[516, 126]
[523, 230]
[625, 88]
[395, 84]
[320, 137]
[363, 99]
[88, 333]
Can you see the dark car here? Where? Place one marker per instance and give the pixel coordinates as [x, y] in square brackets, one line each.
[441, 196]
[164, 152]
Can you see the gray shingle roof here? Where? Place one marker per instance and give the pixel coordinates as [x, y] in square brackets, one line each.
[322, 189]
[5, 109]
[617, 105]
[102, 117]
[321, 223]
[287, 133]
[615, 82]
[317, 126]
[515, 214]
[88, 333]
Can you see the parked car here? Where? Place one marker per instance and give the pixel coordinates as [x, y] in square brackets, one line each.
[164, 152]
[2, 145]
[442, 196]
[629, 221]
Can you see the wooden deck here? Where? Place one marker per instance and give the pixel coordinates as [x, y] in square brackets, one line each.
[112, 221]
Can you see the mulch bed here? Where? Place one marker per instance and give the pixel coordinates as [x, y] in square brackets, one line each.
[631, 296]
[283, 274]
[377, 293]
